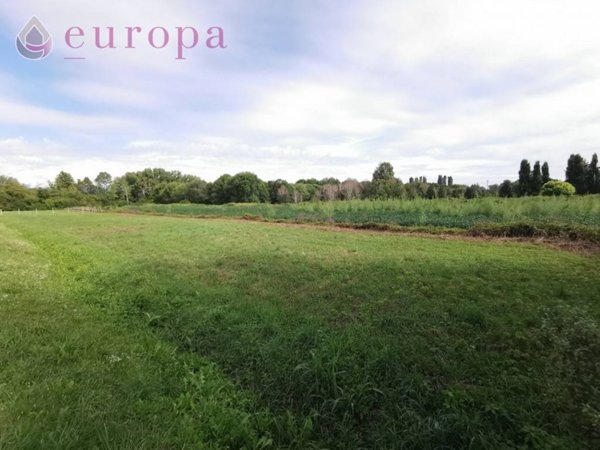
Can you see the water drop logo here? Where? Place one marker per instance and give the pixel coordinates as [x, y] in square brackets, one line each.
[34, 41]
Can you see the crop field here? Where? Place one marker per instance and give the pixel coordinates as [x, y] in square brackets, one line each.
[446, 213]
[137, 331]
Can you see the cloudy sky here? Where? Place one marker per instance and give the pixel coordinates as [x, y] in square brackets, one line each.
[305, 88]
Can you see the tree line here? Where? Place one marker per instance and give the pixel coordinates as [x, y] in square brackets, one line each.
[581, 178]
[164, 187]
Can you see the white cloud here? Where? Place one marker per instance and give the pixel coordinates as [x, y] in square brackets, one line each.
[313, 89]
[16, 113]
[326, 108]
[489, 32]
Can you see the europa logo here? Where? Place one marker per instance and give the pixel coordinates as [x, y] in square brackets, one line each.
[34, 41]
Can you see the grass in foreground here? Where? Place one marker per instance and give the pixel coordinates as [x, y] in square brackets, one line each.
[146, 332]
[76, 374]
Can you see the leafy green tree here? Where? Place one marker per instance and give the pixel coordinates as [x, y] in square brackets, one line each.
[246, 187]
[4, 179]
[422, 188]
[474, 191]
[280, 191]
[120, 190]
[196, 191]
[133, 187]
[556, 187]
[492, 190]
[167, 192]
[15, 196]
[43, 194]
[384, 171]
[64, 192]
[64, 181]
[577, 170]
[524, 178]
[536, 179]
[431, 192]
[505, 189]
[86, 186]
[594, 176]
[67, 198]
[308, 181]
[545, 172]
[103, 181]
[387, 188]
[219, 190]
[411, 191]
[304, 192]
[457, 191]
[329, 180]
[154, 185]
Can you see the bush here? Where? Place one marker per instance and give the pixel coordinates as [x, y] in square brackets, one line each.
[555, 187]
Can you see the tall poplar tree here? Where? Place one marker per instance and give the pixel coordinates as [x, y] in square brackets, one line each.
[524, 177]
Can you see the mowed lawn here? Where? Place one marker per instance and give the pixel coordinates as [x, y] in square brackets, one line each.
[158, 332]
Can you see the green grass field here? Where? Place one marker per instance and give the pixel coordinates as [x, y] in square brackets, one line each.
[447, 213]
[121, 331]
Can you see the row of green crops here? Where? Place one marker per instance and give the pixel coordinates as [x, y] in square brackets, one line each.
[448, 213]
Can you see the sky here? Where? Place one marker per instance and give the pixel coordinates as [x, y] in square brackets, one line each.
[304, 88]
